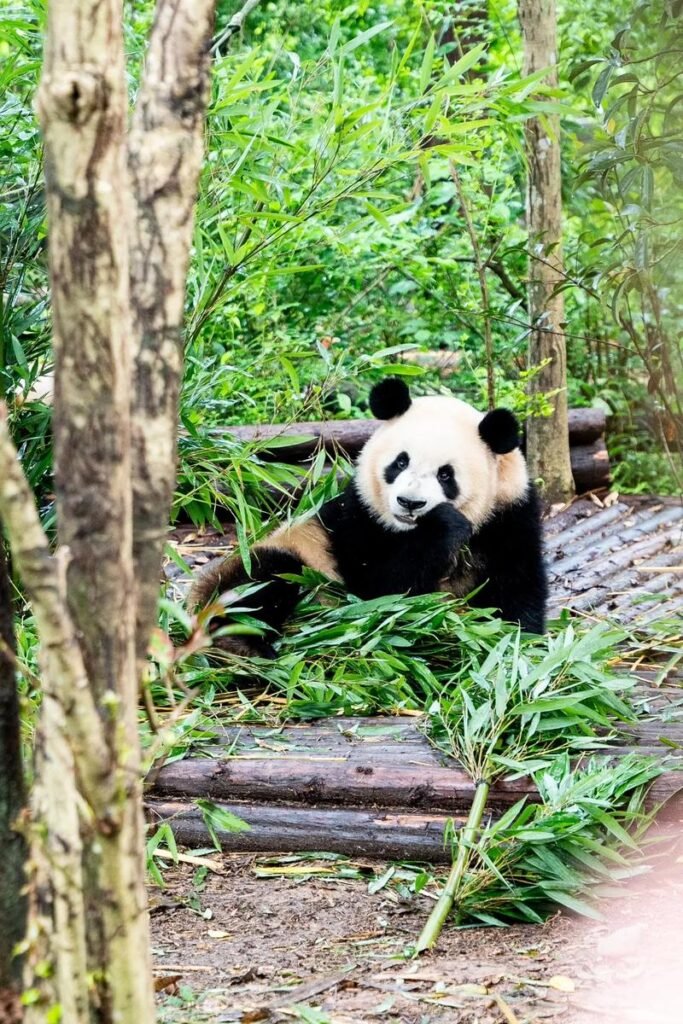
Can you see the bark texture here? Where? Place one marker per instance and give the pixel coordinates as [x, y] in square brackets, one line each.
[547, 447]
[120, 217]
[82, 105]
[165, 157]
[57, 930]
[12, 797]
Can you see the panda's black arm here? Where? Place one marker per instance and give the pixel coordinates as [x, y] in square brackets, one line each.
[422, 556]
[273, 603]
[510, 549]
[374, 561]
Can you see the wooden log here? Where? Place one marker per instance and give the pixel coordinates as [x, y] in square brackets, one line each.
[347, 436]
[445, 361]
[383, 833]
[287, 829]
[590, 462]
[360, 778]
[370, 762]
[590, 466]
[585, 427]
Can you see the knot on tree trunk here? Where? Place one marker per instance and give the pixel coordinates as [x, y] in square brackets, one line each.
[73, 96]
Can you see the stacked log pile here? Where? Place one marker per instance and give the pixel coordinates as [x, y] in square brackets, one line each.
[589, 458]
[363, 787]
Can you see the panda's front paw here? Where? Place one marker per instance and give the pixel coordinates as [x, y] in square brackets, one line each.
[451, 523]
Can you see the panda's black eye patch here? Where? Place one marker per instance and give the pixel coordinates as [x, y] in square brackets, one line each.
[446, 478]
[400, 463]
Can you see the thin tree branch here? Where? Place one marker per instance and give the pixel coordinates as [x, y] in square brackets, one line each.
[165, 155]
[12, 801]
[483, 285]
[234, 26]
[64, 676]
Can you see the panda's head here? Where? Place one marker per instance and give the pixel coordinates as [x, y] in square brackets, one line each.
[436, 449]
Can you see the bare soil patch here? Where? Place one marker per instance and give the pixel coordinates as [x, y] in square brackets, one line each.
[326, 951]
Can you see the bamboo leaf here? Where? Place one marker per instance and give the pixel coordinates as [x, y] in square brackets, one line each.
[426, 67]
[364, 37]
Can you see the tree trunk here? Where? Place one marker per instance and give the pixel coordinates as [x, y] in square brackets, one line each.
[118, 260]
[82, 104]
[165, 156]
[547, 437]
[12, 845]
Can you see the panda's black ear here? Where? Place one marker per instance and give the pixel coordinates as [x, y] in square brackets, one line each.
[500, 431]
[389, 398]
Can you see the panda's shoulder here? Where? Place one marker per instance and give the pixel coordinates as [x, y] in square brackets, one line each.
[514, 519]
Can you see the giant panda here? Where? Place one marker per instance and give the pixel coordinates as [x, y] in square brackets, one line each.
[440, 500]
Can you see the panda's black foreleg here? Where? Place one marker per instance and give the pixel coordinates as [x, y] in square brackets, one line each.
[415, 560]
[273, 603]
[518, 598]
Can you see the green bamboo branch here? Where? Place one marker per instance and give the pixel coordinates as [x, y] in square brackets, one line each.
[437, 918]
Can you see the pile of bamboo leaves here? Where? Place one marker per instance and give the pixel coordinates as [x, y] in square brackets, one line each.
[517, 717]
[503, 704]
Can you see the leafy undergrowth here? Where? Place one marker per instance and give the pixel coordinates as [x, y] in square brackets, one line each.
[390, 655]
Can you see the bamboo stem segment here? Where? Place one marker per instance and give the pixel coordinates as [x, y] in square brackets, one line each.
[437, 918]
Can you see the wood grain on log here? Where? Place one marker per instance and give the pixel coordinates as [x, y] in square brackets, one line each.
[375, 829]
[335, 781]
[590, 466]
[586, 425]
[399, 779]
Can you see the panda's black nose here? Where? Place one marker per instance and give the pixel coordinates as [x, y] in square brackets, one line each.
[410, 505]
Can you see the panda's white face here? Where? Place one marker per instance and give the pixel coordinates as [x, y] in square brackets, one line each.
[433, 453]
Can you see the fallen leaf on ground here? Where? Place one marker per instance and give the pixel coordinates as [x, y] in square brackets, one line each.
[562, 983]
[167, 983]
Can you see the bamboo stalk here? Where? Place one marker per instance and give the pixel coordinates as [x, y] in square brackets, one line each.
[435, 922]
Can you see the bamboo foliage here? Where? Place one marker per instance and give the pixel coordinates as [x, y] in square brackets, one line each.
[120, 217]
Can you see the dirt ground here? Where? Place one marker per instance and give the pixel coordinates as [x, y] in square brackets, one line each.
[242, 948]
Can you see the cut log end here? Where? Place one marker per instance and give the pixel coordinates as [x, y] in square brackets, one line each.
[590, 466]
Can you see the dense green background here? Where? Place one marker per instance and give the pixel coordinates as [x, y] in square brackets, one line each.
[328, 237]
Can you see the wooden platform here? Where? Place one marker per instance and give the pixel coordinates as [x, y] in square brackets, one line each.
[624, 561]
[375, 786]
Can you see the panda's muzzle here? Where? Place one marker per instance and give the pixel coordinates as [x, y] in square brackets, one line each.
[410, 505]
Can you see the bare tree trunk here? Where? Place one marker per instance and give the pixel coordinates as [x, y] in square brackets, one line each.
[547, 437]
[12, 797]
[165, 157]
[108, 241]
[82, 104]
